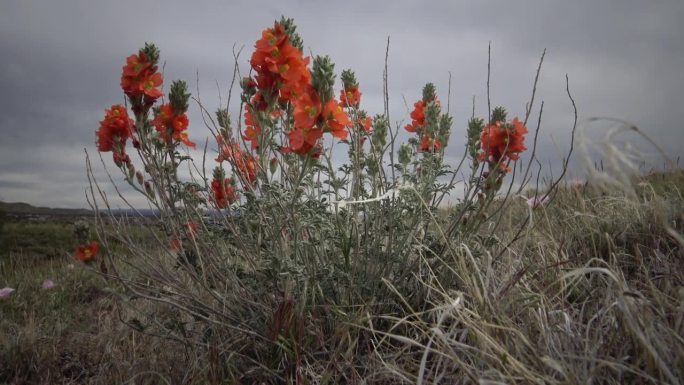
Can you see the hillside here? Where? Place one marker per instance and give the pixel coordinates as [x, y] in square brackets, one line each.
[25, 208]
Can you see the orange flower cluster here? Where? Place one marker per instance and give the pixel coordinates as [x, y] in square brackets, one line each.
[114, 130]
[312, 119]
[243, 161]
[502, 142]
[417, 117]
[281, 68]
[87, 253]
[350, 96]
[283, 76]
[113, 133]
[172, 125]
[366, 123]
[140, 81]
[223, 192]
[428, 143]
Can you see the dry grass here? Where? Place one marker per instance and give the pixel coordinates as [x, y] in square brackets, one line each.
[591, 293]
[74, 334]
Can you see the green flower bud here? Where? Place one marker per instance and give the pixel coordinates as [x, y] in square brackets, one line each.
[429, 92]
[405, 154]
[348, 79]
[372, 164]
[380, 127]
[223, 118]
[475, 127]
[498, 115]
[323, 77]
[152, 53]
[431, 118]
[291, 32]
[445, 122]
[179, 96]
[218, 173]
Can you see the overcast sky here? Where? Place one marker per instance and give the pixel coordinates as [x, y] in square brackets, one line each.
[61, 61]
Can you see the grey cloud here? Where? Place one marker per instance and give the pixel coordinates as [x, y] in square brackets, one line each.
[61, 64]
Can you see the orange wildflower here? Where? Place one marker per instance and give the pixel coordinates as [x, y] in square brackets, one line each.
[291, 66]
[252, 128]
[244, 162]
[502, 142]
[427, 144]
[350, 97]
[303, 141]
[281, 69]
[113, 133]
[87, 253]
[149, 84]
[417, 116]
[336, 119]
[135, 64]
[367, 124]
[114, 130]
[307, 108]
[224, 193]
[247, 166]
[268, 45]
[167, 121]
[139, 77]
[311, 119]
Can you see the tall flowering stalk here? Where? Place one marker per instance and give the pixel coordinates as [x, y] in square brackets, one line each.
[431, 127]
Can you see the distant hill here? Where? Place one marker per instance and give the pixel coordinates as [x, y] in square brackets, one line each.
[21, 208]
[25, 208]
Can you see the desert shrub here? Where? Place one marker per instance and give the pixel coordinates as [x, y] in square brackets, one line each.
[286, 263]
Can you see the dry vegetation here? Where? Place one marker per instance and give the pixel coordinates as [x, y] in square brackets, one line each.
[592, 293]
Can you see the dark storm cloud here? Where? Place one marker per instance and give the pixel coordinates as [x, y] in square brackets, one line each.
[60, 64]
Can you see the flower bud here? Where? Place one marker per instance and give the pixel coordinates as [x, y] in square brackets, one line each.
[499, 114]
[429, 92]
[152, 53]
[179, 96]
[348, 79]
[323, 77]
[149, 190]
[139, 177]
[131, 169]
[291, 32]
[431, 118]
[223, 119]
[405, 153]
[380, 126]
